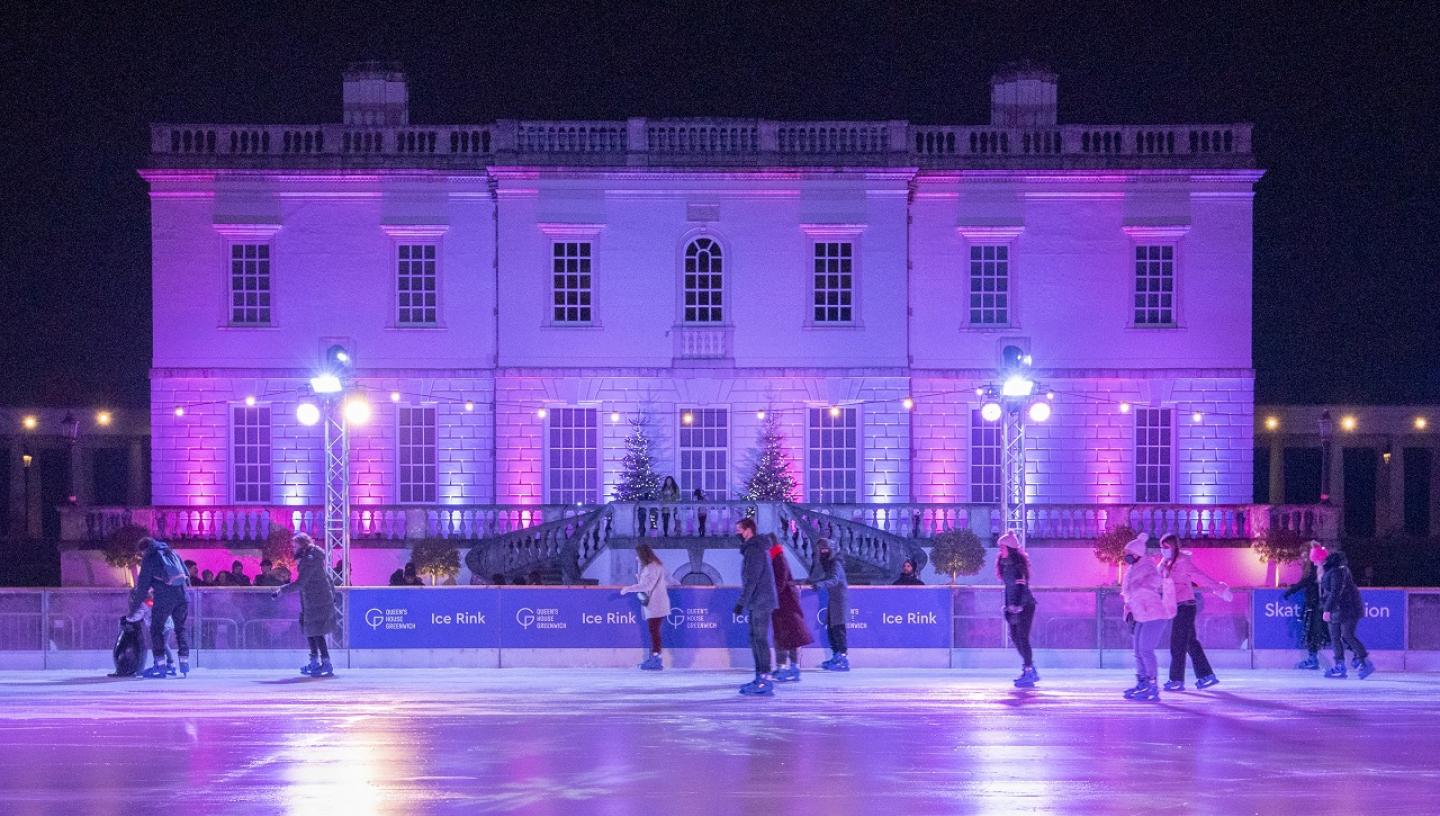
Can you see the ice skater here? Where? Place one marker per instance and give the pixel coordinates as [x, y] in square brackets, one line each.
[1145, 609]
[1340, 598]
[164, 575]
[317, 603]
[1315, 634]
[791, 633]
[1012, 566]
[757, 599]
[828, 573]
[1177, 566]
[650, 587]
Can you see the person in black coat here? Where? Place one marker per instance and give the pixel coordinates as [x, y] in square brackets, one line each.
[758, 601]
[1315, 634]
[1343, 609]
[908, 577]
[316, 586]
[828, 573]
[164, 575]
[1012, 566]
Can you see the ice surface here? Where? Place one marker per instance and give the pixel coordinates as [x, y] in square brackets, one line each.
[580, 741]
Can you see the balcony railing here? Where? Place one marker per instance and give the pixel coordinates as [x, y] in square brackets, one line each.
[759, 142]
[703, 342]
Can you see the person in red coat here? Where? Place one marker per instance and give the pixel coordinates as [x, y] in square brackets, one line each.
[788, 621]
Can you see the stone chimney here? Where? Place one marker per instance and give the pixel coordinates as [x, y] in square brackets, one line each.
[376, 94]
[1022, 95]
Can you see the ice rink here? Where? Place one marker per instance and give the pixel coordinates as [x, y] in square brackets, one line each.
[579, 741]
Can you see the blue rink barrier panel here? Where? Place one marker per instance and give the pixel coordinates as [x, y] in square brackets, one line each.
[1278, 622]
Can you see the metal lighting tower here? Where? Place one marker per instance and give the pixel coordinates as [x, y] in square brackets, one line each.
[338, 412]
[1012, 402]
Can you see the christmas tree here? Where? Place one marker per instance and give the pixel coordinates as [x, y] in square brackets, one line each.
[772, 479]
[638, 479]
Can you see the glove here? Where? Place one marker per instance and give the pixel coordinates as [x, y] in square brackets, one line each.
[1014, 610]
[739, 609]
[1327, 617]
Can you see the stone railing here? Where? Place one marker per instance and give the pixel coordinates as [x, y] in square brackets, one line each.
[703, 342]
[759, 142]
[885, 553]
[571, 543]
[705, 523]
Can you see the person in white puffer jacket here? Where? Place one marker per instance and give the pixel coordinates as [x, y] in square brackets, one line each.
[652, 585]
[1143, 591]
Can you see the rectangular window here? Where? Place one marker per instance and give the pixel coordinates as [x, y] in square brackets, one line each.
[415, 285]
[834, 282]
[571, 290]
[416, 454]
[250, 284]
[1154, 453]
[250, 453]
[573, 450]
[990, 285]
[834, 455]
[986, 450]
[1155, 285]
[705, 453]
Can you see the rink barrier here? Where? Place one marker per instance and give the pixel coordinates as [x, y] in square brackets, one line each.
[933, 626]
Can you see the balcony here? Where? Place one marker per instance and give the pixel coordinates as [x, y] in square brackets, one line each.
[702, 345]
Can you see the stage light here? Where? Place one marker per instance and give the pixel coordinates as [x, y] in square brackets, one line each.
[1017, 386]
[1272, 423]
[325, 384]
[908, 404]
[29, 423]
[357, 411]
[308, 413]
[103, 418]
[991, 411]
[1348, 423]
[1124, 407]
[1039, 411]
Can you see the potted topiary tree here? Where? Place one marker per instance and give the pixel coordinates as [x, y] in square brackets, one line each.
[436, 559]
[1280, 546]
[956, 553]
[279, 549]
[1110, 546]
[120, 549]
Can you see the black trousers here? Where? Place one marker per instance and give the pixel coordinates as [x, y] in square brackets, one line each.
[836, 636]
[318, 647]
[1342, 634]
[178, 610]
[1020, 623]
[1183, 642]
[760, 640]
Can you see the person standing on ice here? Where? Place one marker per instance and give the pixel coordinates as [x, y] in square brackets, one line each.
[1177, 566]
[1315, 634]
[1013, 568]
[164, 575]
[791, 633]
[650, 586]
[317, 603]
[1340, 598]
[828, 573]
[1145, 609]
[758, 601]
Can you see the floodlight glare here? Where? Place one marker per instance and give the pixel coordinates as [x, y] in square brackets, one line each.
[1124, 407]
[1040, 411]
[990, 411]
[308, 413]
[908, 404]
[469, 405]
[1017, 386]
[325, 384]
[357, 411]
[394, 396]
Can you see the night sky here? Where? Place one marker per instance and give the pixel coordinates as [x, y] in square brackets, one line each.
[1347, 228]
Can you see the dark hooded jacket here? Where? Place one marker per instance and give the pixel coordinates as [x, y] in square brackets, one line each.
[153, 575]
[317, 592]
[757, 575]
[829, 575]
[1309, 584]
[1338, 593]
[788, 620]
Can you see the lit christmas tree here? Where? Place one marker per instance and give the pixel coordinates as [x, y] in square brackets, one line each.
[772, 479]
[638, 479]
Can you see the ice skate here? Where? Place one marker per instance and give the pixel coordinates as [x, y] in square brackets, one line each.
[841, 663]
[157, 671]
[1366, 668]
[325, 670]
[1150, 693]
[652, 663]
[1177, 685]
[1336, 671]
[310, 668]
[1207, 681]
[759, 687]
[1137, 688]
[1311, 662]
[826, 664]
[1028, 678]
[184, 667]
[787, 674]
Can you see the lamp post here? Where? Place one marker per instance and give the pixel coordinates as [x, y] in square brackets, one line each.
[70, 426]
[1327, 430]
[1013, 401]
[26, 461]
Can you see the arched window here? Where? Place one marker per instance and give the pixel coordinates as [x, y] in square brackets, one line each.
[704, 282]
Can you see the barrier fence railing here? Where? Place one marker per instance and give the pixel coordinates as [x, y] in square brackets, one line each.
[52, 623]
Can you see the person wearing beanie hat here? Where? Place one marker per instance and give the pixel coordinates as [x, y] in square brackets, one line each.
[1179, 569]
[1012, 566]
[828, 573]
[1315, 635]
[1343, 609]
[1143, 592]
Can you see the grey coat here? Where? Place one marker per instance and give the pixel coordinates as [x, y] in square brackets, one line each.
[757, 575]
[830, 576]
[317, 592]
